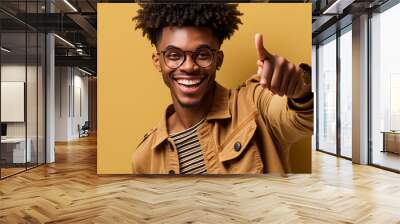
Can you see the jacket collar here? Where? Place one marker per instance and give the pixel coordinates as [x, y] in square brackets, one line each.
[218, 110]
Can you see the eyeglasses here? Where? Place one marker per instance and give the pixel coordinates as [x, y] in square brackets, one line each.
[175, 57]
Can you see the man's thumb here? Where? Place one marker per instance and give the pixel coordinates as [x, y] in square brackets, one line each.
[260, 47]
[263, 54]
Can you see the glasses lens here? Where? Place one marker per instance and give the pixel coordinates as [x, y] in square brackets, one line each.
[203, 57]
[174, 57]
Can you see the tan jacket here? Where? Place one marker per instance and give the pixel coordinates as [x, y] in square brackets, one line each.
[247, 130]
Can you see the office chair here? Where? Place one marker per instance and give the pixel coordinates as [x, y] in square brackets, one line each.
[84, 130]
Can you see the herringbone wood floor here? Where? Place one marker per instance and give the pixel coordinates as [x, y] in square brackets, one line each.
[69, 191]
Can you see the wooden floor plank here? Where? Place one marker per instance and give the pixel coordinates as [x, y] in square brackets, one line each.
[70, 191]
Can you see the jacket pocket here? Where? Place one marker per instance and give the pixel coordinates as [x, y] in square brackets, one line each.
[239, 153]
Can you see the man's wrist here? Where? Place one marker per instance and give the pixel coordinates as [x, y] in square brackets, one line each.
[307, 97]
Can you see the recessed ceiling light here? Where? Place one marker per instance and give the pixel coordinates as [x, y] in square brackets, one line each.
[64, 40]
[84, 71]
[5, 50]
[337, 7]
[70, 5]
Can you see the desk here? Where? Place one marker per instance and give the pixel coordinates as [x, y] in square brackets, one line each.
[15, 148]
[391, 141]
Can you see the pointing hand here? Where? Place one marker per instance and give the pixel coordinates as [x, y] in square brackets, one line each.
[279, 75]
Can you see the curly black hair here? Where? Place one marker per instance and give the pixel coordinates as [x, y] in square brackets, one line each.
[223, 19]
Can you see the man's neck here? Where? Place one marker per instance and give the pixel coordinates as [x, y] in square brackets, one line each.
[184, 118]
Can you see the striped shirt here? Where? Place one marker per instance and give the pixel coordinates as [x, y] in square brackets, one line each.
[191, 159]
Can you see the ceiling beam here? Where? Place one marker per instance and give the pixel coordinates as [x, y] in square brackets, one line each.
[84, 24]
[84, 61]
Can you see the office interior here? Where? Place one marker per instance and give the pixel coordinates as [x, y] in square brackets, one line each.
[49, 75]
[357, 84]
[46, 81]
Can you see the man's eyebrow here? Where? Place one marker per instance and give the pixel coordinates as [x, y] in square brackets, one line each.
[171, 46]
[200, 46]
[203, 46]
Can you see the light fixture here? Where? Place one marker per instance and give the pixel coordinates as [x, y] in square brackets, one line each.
[337, 7]
[5, 50]
[80, 51]
[70, 5]
[84, 71]
[64, 40]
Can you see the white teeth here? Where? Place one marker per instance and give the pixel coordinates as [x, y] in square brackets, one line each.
[188, 81]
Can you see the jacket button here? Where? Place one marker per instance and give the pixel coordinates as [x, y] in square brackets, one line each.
[237, 146]
[171, 172]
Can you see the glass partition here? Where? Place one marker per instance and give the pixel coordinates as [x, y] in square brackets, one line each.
[385, 89]
[327, 95]
[31, 100]
[22, 77]
[14, 153]
[41, 106]
[346, 92]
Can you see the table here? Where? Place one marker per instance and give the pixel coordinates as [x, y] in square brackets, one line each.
[15, 148]
[391, 141]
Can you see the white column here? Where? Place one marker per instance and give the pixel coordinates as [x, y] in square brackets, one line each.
[50, 100]
[50, 92]
[62, 103]
[360, 90]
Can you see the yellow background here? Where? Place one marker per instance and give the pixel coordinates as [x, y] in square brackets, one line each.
[132, 96]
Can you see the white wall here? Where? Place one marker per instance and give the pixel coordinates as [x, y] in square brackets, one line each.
[61, 103]
[71, 94]
[16, 73]
[12, 101]
[81, 102]
[33, 127]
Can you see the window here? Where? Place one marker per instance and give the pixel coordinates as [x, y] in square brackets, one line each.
[346, 92]
[327, 95]
[385, 89]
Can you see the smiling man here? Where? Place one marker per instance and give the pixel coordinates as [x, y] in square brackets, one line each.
[209, 129]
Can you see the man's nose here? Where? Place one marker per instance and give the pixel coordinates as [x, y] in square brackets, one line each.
[189, 65]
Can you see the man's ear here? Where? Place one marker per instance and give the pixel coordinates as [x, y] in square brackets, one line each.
[156, 61]
[220, 59]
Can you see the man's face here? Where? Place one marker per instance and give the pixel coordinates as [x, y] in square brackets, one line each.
[190, 84]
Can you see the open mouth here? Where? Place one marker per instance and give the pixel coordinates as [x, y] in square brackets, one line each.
[189, 83]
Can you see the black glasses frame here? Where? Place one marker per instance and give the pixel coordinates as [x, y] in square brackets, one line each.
[192, 54]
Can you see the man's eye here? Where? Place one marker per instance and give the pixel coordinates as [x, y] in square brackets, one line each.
[173, 56]
[203, 55]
